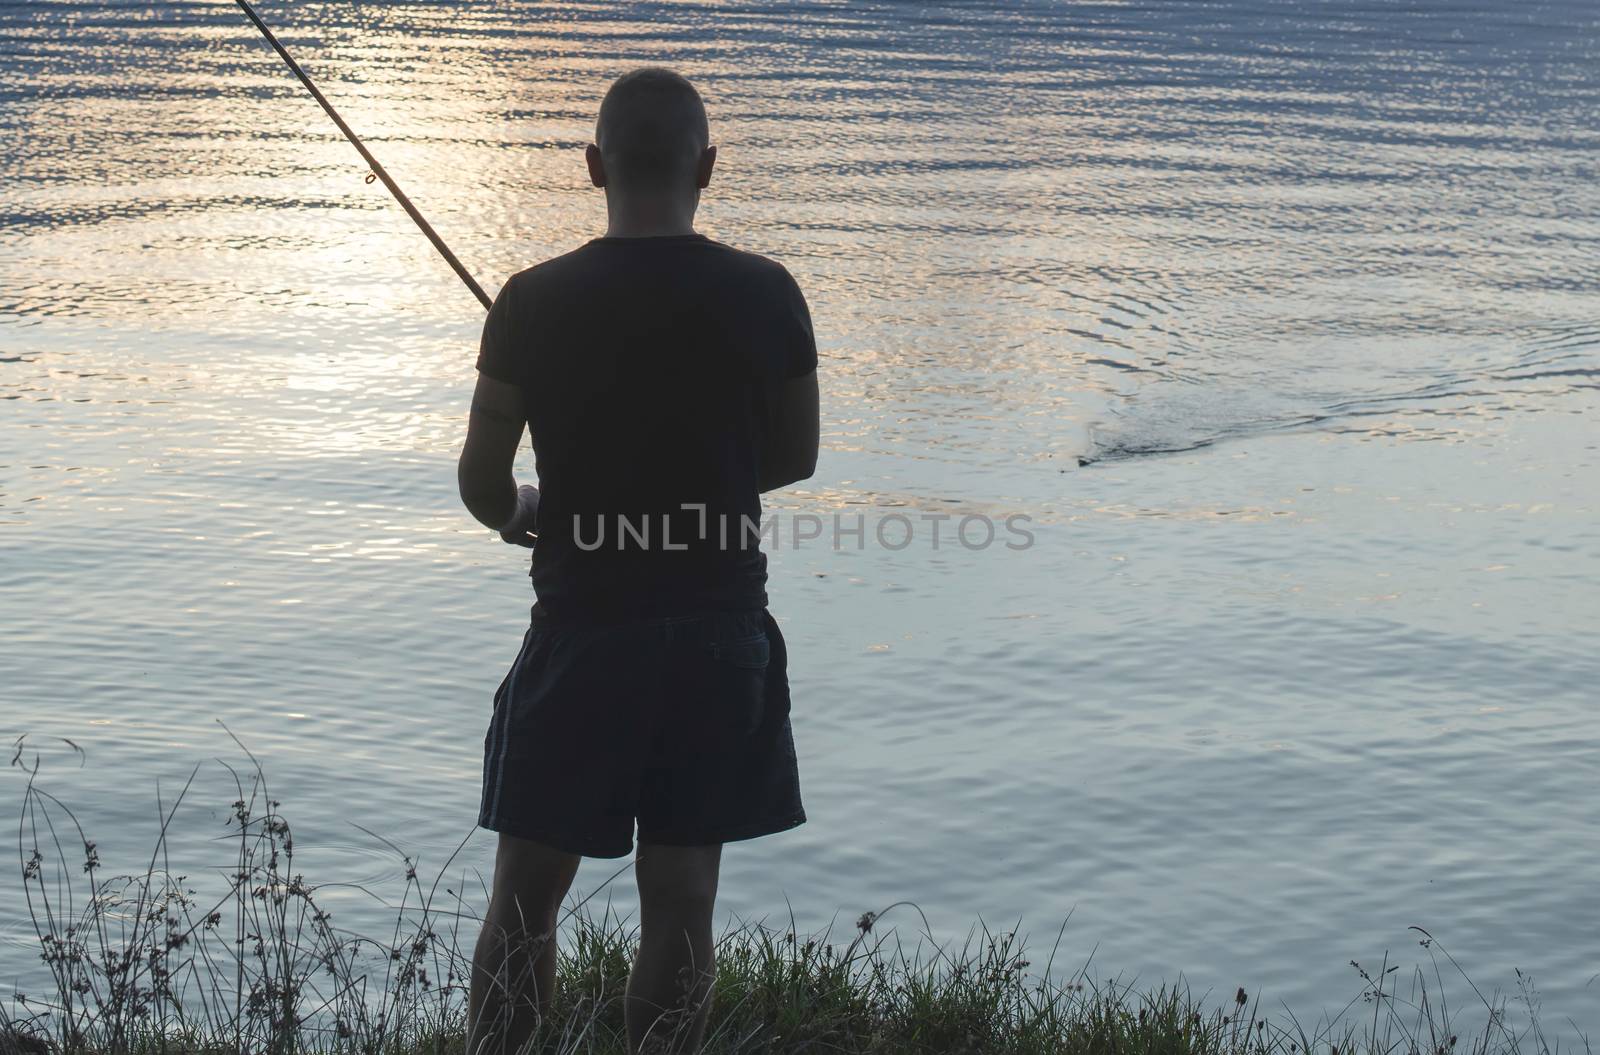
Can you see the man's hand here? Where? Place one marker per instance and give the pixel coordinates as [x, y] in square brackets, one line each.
[519, 530]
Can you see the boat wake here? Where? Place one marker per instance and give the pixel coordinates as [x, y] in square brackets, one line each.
[1175, 416]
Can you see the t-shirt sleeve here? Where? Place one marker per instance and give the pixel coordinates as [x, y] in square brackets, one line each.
[798, 346]
[500, 353]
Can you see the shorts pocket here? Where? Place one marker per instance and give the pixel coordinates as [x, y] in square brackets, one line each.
[530, 638]
[736, 683]
[753, 653]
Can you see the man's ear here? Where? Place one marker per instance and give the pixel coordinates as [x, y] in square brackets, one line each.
[702, 172]
[597, 165]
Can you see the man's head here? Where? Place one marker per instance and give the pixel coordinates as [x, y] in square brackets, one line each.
[652, 137]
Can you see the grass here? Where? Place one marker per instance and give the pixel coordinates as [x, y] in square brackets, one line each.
[144, 962]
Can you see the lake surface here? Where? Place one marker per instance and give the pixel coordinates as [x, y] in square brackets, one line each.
[1280, 321]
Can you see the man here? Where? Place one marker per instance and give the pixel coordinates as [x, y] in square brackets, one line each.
[666, 380]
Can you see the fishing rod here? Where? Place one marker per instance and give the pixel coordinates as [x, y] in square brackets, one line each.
[377, 169]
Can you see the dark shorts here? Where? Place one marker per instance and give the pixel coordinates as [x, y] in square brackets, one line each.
[680, 723]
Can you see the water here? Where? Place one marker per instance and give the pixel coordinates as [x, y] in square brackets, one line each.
[1279, 321]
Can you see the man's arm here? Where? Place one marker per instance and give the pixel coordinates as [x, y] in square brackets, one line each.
[494, 432]
[791, 414]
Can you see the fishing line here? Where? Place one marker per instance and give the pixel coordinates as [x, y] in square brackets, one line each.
[378, 170]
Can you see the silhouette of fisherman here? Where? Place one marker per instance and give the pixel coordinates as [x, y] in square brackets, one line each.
[666, 380]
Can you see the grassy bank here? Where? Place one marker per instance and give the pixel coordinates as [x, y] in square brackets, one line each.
[150, 961]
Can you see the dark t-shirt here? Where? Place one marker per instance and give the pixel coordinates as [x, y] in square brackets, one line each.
[643, 364]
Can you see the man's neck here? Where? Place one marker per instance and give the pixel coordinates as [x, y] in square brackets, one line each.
[653, 219]
[648, 231]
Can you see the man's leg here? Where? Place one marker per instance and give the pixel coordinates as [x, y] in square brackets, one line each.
[669, 991]
[514, 962]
